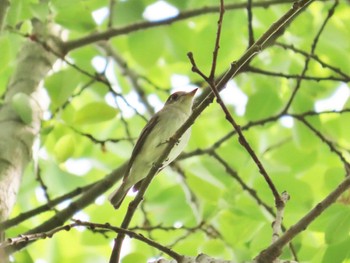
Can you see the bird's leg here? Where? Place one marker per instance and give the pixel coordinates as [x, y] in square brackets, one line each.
[169, 140]
[161, 167]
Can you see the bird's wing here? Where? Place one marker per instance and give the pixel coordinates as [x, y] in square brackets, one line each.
[141, 141]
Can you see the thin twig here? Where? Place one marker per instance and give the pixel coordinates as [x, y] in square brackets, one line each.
[84, 200]
[308, 58]
[99, 141]
[241, 138]
[277, 224]
[250, 23]
[323, 139]
[44, 208]
[265, 72]
[111, 13]
[113, 32]
[275, 249]
[130, 73]
[217, 41]
[314, 57]
[92, 226]
[251, 124]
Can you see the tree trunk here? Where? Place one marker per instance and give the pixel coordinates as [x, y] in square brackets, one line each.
[17, 134]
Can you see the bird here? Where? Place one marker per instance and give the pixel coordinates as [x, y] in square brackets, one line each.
[153, 140]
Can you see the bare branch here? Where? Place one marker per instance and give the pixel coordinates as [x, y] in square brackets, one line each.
[92, 226]
[308, 58]
[274, 250]
[113, 32]
[44, 208]
[316, 58]
[295, 76]
[277, 225]
[84, 200]
[111, 12]
[250, 23]
[241, 138]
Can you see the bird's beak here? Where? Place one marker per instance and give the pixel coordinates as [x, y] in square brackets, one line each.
[191, 93]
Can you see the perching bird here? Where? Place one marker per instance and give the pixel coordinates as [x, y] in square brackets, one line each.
[152, 142]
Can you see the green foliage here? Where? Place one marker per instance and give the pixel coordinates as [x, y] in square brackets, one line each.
[94, 112]
[61, 86]
[64, 148]
[204, 204]
[66, 12]
[262, 104]
[128, 12]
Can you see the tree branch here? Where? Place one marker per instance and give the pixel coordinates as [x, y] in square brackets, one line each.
[49, 234]
[113, 32]
[86, 198]
[274, 250]
[44, 208]
[308, 58]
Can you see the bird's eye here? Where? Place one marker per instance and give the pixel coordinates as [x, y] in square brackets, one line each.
[175, 96]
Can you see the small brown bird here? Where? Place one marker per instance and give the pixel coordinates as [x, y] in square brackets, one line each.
[152, 142]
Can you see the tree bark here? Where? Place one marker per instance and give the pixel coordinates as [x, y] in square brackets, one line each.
[33, 62]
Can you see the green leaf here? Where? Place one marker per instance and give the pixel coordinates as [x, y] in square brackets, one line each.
[94, 112]
[64, 148]
[40, 10]
[338, 227]
[236, 229]
[24, 256]
[133, 257]
[178, 3]
[91, 239]
[18, 11]
[169, 206]
[215, 248]
[333, 176]
[337, 253]
[203, 183]
[152, 41]
[302, 103]
[22, 106]
[305, 138]
[128, 12]
[263, 103]
[186, 247]
[293, 158]
[67, 12]
[57, 178]
[61, 86]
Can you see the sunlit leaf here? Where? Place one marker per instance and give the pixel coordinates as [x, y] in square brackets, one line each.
[64, 147]
[61, 86]
[94, 112]
[151, 41]
[66, 14]
[339, 227]
[264, 103]
[337, 253]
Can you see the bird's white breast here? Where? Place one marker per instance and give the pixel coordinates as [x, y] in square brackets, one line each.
[156, 142]
[162, 132]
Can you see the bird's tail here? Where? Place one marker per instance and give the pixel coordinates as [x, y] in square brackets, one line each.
[116, 198]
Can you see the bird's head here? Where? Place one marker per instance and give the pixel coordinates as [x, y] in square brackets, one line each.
[181, 99]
